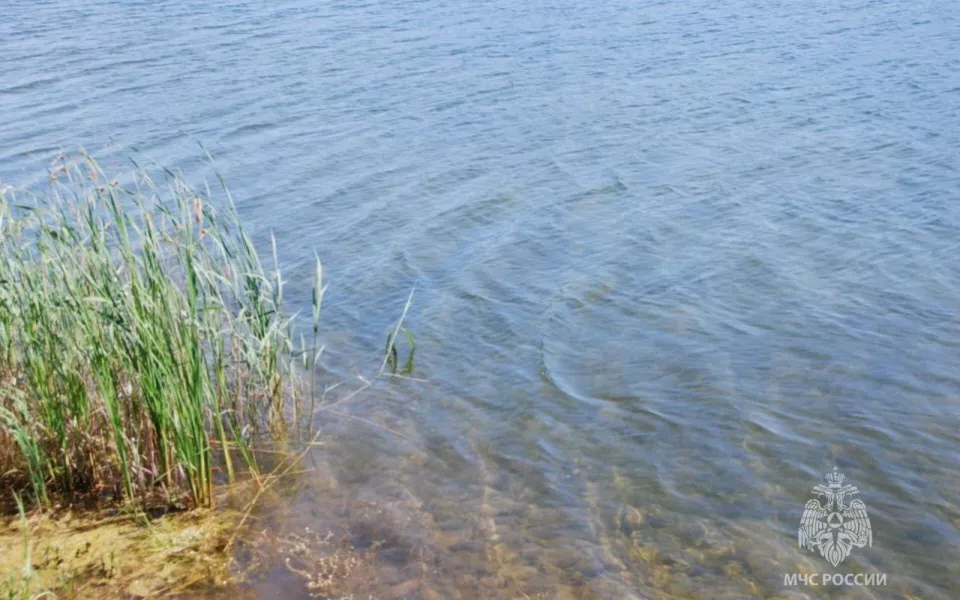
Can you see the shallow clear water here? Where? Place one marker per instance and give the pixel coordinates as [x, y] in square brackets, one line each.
[674, 262]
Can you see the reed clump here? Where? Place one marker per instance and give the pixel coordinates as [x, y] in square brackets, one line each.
[141, 339]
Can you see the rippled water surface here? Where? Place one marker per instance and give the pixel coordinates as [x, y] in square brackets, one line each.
[674, 262]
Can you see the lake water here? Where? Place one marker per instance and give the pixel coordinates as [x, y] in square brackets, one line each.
[674, 262]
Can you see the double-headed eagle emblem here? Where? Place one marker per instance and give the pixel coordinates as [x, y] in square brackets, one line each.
[837, 525]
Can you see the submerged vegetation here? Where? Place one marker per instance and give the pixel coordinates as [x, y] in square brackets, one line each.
[141, 340]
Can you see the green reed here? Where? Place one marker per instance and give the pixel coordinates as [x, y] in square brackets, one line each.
[138, 332]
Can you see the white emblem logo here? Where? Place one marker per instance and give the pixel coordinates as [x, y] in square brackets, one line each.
[839, 524]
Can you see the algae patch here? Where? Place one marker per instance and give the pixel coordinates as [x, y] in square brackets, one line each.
[82, 556]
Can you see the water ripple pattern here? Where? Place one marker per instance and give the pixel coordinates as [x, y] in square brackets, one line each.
[675, 261]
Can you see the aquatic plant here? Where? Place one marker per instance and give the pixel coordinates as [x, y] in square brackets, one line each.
[139, 331]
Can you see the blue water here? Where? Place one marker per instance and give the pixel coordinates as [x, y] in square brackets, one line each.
[673, 259]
